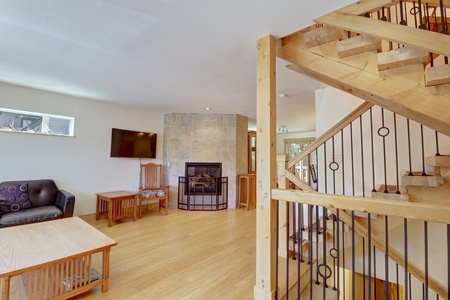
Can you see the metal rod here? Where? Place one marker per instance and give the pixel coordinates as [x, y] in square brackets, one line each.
[353, 255]
[335, 164]
[396, 156]
[324, 247]
[402, 17]
[317, 243]
[299, 247]
[310, 250]
[425, 228]
[287, 250]
[338, 253]
[386, 256]
[342, 151]
[373, 157]
[437, 143]
[421, 26]
[409, 147]
[362, 155]
[369, 254]
[352, 159]
[423, 150]
[364, 266]
[405, 230]
[374, 273]
[384, 150]
[443, 21]
[294, 230]
[276, 249]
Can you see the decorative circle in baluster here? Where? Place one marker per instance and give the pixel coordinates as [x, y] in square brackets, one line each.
[383, 131]
[327, 269]
[334, 166]
[334, 253]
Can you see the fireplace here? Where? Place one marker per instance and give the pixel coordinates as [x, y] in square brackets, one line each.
[203, 187]
[203, 178]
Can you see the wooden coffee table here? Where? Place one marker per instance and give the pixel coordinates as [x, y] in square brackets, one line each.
[117, 205]
[52, 260]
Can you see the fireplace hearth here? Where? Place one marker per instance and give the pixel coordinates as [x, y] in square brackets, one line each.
[203, 187]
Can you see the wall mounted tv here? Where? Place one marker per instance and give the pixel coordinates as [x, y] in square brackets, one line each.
[128, 143]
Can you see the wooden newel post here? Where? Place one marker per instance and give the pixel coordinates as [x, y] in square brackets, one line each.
[266, 171]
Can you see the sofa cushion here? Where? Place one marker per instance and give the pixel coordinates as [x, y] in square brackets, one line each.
[32, 215]
[42, 191]
[14, 197]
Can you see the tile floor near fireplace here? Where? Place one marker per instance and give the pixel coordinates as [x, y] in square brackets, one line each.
[203, 187]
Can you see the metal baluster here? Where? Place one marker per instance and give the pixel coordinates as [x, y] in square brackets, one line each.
[338, 234]
[310, 249]
[437, 143]
[396, 278]
[425, 229]
[301, 227]
[409, 147]
[299, 246]
[276, 249]
[383, 131]
[373, 157]
[294, 231]
[402, 18]
[287, 250]
[353, 255]
[362, 156]
[443, 21]
[386, 257]
[352, 158]
[396, 156]
[421, 26]
[405, 230]
[374, 273]
[383, 18]
[369, 254]
[364, 266]
[334, 166]
[324, 250]
[317, 244]
[423, 151]
[448, 261]
[334, 250]
[429, 26]
[342, 163]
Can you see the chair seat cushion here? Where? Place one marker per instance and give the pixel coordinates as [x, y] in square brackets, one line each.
[31, 215]
[153, 193]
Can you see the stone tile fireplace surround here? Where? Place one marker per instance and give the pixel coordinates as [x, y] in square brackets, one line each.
[204, 138]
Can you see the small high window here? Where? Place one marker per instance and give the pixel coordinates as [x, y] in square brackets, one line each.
[33, 122]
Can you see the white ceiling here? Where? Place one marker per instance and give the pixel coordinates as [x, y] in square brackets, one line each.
[166, 55]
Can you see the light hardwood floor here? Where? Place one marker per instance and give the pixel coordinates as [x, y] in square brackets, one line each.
[184, 255]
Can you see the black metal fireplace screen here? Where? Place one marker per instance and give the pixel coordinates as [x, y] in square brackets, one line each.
[203, 187]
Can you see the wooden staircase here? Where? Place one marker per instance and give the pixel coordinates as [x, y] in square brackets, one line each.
[391, 78]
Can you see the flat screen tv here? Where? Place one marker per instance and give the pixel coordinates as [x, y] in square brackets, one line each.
[128, 143]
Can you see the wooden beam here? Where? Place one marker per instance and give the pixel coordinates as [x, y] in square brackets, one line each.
[402, 93]
[410, 210]
[417, 38]
[366, 6]
[266, 214]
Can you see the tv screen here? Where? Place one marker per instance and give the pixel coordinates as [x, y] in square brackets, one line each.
[128, 143]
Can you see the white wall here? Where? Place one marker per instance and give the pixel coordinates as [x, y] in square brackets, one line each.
[80, 165]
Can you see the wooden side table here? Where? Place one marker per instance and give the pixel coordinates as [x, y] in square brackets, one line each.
[117, 205]
[247, 190]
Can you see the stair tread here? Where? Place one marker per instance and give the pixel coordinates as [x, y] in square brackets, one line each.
[401, 57]
[357, 45]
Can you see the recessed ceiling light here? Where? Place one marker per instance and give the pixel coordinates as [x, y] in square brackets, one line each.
[208, 108]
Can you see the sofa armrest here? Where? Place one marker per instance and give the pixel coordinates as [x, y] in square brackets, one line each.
[65, 201]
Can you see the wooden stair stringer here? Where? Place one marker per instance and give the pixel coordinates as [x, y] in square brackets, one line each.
[395, 255]
[403, 93]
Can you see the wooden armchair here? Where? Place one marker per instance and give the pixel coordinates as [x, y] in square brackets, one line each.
[151, 188]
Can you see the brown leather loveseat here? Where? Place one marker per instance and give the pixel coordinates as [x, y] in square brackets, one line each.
[31, 201]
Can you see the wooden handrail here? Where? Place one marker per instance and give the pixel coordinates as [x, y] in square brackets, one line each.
[329, 133]
[410, 210]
